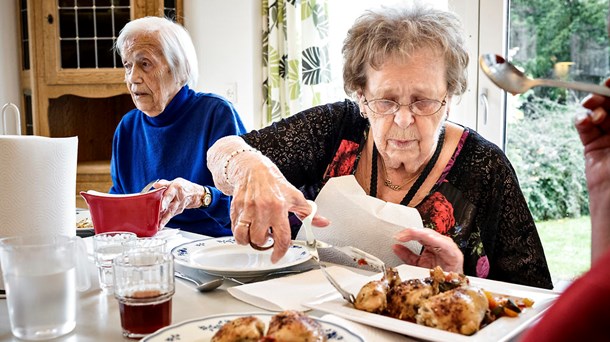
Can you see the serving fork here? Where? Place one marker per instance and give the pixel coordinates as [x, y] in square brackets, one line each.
[312, 246]
[360, 256]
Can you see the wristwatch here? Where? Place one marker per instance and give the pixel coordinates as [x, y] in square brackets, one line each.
[206, 199]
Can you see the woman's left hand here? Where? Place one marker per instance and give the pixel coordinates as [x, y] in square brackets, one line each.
[439, 250]
[180, 194]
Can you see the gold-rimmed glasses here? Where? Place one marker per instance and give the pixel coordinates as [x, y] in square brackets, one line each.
[421, 107]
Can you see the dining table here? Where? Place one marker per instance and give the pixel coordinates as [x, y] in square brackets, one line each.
[97, 313]
[98, 319]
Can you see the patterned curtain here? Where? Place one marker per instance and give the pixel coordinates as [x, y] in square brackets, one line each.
[296, 68]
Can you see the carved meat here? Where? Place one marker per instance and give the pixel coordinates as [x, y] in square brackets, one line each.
[294, 326]
[242, 329]
[405, 298]
[373, 297]
[459, 310]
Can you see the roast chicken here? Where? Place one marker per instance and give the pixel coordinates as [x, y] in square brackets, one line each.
[294, 326]
[373, 296]
[242, 329]
[286, 326]
[442, 300]
[460, 310]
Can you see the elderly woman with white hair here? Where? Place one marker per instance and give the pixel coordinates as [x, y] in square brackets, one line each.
[163, 137]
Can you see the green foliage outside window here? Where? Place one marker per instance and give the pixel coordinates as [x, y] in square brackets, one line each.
[547, 155]
[542, 143]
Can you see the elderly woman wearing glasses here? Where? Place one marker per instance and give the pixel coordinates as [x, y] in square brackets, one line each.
[403, 67]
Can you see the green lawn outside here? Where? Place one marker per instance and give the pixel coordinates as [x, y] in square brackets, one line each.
[567, 245]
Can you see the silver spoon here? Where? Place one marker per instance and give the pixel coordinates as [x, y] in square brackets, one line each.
[201, 287]
[147, 187]
[511, 79]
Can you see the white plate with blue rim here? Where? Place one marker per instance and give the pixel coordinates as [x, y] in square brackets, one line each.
[202, 329]
[224, 257]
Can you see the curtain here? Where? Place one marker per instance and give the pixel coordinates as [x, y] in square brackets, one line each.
[296, 67]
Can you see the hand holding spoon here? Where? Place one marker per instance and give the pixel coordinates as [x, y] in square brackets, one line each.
[511, 79]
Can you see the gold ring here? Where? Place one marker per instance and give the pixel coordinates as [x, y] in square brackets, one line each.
[244, 223]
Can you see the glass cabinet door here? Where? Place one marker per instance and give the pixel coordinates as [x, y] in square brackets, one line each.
[79, 36]
[88, 31]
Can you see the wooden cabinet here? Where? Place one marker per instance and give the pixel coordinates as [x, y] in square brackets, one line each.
[72, 81]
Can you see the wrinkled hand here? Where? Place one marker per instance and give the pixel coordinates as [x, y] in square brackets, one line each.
[262, 199]
[593, 129]
[439, 250]
[180, 194]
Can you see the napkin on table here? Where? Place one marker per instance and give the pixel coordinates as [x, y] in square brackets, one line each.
[287, 293]
[361, 221]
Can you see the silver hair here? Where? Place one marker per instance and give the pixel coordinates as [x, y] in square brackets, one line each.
[381, 34]
[175, 45]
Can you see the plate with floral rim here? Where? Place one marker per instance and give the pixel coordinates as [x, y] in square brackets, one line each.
[202, 329]
[224, 257]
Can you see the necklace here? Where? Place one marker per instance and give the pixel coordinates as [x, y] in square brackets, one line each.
[387, 182]
[420, 180]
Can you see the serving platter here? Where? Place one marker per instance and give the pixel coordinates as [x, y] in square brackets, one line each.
[224, 257]
[202, 329]
[502, 329]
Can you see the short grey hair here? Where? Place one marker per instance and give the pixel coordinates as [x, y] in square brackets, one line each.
[381, 34]
[174, 42]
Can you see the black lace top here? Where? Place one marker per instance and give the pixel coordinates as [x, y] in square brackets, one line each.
[477, 200]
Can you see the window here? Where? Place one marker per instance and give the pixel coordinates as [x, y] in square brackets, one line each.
[547, 39]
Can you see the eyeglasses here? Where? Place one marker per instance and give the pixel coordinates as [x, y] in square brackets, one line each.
[420, 108]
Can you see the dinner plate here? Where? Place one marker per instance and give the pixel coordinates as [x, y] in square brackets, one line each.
[224, 257]
[81, 216]
[202, 329]
[501, 329]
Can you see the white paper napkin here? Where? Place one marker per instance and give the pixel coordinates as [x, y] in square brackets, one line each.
[361, 221]
[368, 333]
[287, 293]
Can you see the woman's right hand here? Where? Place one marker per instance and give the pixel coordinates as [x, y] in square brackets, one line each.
[262, 197]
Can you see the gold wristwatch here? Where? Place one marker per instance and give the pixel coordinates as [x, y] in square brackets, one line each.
[206, 199]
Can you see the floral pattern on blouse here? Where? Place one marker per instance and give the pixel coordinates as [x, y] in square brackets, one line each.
[344, 160]
[445, 209]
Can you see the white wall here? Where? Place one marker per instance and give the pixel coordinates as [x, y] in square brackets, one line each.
[227, 36]
[9, 60]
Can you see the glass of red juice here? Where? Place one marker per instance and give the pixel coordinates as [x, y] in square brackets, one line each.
[144, 286]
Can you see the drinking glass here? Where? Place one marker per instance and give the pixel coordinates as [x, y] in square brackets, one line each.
[42, 274]
[107, 246]
[150, 244]
[144, 286]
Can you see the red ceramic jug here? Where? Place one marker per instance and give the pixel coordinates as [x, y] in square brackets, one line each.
[137, 213]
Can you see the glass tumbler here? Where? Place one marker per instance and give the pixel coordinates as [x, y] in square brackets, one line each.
[144, 287]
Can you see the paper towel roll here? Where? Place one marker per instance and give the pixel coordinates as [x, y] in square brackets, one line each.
[37, 185]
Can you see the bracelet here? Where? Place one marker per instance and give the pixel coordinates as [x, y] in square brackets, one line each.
[233, 154]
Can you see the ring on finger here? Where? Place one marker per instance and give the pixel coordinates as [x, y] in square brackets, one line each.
[267, 245]
[247, 224]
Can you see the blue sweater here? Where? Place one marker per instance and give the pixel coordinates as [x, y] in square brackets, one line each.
[174, 144]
